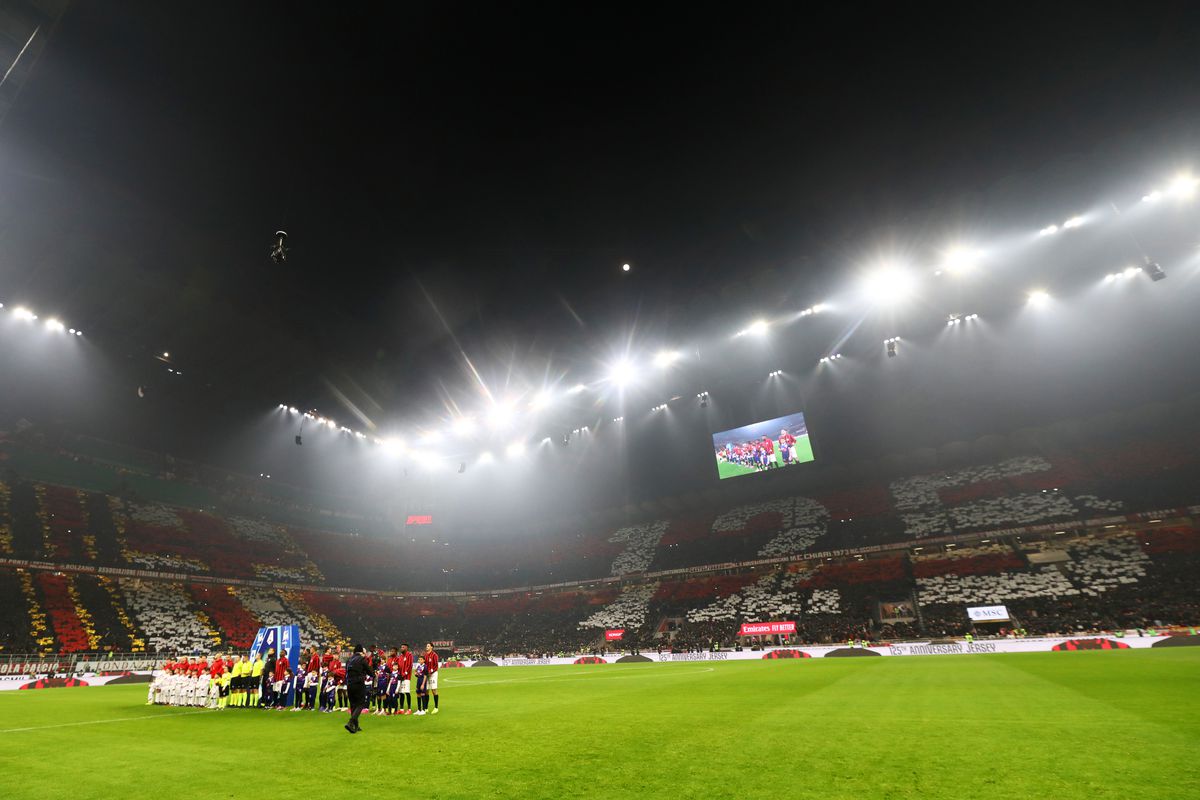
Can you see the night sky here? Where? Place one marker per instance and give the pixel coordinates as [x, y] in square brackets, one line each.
[459, 179]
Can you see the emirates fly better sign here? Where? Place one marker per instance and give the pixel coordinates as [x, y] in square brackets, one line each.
[766, 628]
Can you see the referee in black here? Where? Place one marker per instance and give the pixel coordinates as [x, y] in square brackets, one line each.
[358, 672]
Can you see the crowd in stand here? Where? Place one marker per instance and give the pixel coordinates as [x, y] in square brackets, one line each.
[1099, 581]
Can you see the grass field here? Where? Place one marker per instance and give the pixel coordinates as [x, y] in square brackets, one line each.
[1046, 725]
[804, 454]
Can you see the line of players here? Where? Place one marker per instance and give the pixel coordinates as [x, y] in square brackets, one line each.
[760, 454]
[270, 683]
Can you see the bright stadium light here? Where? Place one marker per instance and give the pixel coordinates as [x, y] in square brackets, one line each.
[500, 416]
[960, 260]
[541, 400]
[1073, 222]
[888, 286]
[1048, 230]
[55, 325]
[1182, 187]
[21, 312]
[515, 449]
[392, 446]
[621, 373]
[756, 328]
[577, 388]
[485, 457]
[1152, 197]
[462, 426]
[666, 358]
[1038, 298]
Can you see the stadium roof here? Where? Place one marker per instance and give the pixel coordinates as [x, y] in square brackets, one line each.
[461, 188]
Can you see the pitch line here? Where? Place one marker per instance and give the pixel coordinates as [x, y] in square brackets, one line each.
[458, 685]
[105, 721]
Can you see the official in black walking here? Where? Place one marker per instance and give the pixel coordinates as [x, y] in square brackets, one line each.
[358, 672]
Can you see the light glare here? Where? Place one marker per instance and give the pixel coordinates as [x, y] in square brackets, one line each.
[621, 373]
[1183, 186]
[889, 286]
[666, 358]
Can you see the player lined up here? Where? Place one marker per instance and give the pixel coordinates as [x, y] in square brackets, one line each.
[759, 454]
[319, 684]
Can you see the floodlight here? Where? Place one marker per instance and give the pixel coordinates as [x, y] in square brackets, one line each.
[621, 373]
[577, 388]
[1182, 187]
[1152, 197]
[1152, 269]
[541, 400]
[960, 260]
[1048, 230]
[515, 449]
[1039, 298]
[463, 426]
[625, 268]
[666, 358]
[21, 312]
[1073, 222]
[757, 328]
[889, 286]
[500, 415]
[55, 325]
[392, 446]
[485, 457]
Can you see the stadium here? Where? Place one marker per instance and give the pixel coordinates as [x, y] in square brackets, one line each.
[491, 402]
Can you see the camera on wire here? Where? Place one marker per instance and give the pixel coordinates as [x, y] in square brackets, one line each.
[279, 249]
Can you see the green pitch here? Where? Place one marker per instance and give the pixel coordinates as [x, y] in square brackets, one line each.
[1044, 725]
[804, 453]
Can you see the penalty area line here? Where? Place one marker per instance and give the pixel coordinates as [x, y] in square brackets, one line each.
[104, 721]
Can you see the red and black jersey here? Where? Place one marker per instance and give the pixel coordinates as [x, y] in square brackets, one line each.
[406, 665]
[431, 662]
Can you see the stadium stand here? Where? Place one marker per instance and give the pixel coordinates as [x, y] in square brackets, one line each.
[1009, 530]
[173, 625]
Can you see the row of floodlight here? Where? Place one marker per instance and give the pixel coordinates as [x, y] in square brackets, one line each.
[886, 286]
[52, 324]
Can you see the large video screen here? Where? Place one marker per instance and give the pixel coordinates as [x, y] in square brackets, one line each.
[763, 446]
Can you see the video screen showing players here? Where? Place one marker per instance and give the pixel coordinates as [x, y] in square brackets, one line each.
[763, 446]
